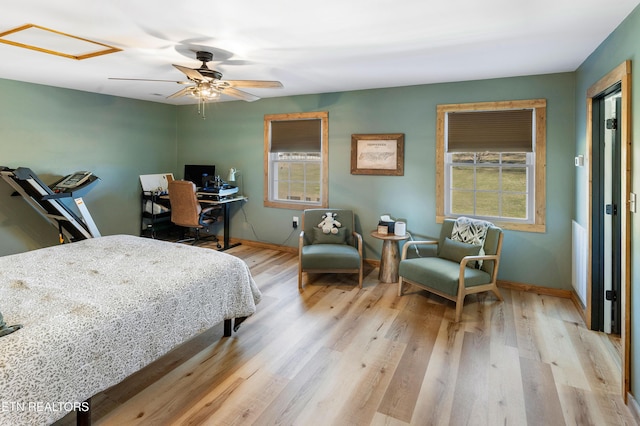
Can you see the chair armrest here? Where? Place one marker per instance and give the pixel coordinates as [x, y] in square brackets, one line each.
[466, 259]
[406, 246]
[300, 245]
[208, 210]
[358, 238]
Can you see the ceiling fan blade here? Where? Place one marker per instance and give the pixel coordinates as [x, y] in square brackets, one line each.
[258, 84]
[147, 79]
[191, 73]
[240, 94]
[182, 92]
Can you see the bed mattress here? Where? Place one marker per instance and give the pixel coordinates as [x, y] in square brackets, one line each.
[95, 311]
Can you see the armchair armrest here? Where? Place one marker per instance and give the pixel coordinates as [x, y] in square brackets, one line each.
[300, 245]
[406, 246]
[358, 238]
[466, 259]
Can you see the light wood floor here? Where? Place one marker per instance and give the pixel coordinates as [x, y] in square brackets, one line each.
[339, 355]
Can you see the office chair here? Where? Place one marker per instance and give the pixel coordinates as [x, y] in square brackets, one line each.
[187, 212]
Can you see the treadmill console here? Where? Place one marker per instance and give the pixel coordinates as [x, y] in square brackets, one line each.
[74, 180]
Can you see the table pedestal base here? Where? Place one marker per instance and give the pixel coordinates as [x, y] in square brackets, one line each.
[389, 260]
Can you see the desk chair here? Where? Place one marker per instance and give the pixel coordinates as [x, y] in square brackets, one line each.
[187, 212]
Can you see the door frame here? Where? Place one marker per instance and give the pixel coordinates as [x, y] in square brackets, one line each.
[622, 75]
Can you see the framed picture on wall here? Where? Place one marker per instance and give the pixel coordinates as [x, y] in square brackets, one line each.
[377, 154]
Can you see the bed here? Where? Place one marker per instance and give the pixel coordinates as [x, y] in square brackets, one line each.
[95, 311]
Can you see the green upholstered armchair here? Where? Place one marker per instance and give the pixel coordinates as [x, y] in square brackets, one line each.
[329, 253]
[452, 272]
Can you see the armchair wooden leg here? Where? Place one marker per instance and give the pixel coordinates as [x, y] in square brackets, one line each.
[459, 306]
[360, 277]
[400, 286]
[496, 291]
[299, 277]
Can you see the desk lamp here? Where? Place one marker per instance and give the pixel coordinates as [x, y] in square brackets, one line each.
[232, 178]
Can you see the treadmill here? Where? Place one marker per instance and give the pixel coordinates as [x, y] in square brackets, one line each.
[49, 200]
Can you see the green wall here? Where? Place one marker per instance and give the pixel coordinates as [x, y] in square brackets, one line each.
[55, 132]
[232, 136]
[620, 46]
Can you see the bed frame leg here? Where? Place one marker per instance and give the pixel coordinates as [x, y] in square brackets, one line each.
[83, 418]
[235, 325]
[237, 322]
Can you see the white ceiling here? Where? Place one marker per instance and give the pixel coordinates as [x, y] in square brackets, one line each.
[311, 47]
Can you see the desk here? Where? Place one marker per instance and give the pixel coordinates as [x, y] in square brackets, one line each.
[226, 203]
[389, 258]
[206, 198]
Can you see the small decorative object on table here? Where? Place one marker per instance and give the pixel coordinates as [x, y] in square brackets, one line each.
[386, 225]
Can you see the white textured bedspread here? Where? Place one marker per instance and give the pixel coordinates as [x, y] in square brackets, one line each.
[98, 310]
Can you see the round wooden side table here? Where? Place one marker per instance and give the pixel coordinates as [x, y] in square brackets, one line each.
[389, 258]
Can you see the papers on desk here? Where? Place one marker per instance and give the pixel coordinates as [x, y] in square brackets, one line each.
[156, 183]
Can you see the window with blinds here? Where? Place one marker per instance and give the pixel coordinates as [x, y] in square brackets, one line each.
[491, 162]
[490, 131]
[296, 148]
[296, 135]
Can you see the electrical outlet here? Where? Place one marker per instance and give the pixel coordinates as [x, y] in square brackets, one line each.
[295, 222]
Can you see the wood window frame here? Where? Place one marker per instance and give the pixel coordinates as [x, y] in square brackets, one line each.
[540, 106]
[324, 156]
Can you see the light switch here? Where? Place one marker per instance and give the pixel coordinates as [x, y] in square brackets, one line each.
[632, 202]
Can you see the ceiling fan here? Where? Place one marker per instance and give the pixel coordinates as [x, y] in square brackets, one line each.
[208, 84]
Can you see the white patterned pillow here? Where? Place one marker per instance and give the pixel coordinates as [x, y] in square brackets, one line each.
[471, 231]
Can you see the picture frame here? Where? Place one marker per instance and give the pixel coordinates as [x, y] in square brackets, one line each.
[377, 154]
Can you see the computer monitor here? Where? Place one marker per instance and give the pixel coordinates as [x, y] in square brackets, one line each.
[199, 174]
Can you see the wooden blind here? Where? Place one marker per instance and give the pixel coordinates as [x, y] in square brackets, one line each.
[296, 135]
[496, 131]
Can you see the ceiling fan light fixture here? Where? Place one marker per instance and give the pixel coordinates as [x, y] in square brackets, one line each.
[206, 91]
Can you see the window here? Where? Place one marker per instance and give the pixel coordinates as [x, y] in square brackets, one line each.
[296, 160]
[491, 162]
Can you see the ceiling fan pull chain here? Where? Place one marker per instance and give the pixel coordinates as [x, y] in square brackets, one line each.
[201, 108]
